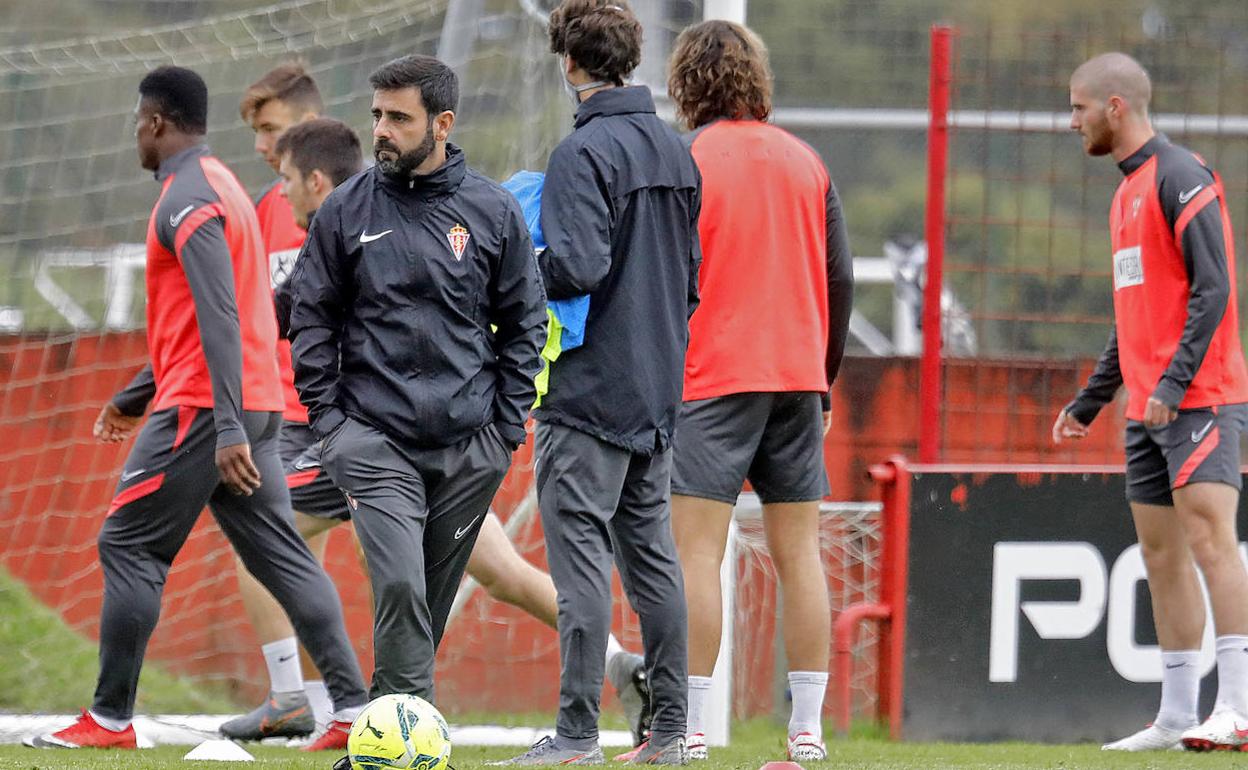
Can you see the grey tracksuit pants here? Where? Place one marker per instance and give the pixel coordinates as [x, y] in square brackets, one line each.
[598, 501]
[169, 476]
[417, 514]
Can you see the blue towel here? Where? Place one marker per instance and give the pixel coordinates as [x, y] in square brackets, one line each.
[570, 313]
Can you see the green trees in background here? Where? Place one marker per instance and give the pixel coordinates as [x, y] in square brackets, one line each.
[1028, 236]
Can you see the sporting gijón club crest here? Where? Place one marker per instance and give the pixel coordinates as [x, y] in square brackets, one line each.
[458, 236]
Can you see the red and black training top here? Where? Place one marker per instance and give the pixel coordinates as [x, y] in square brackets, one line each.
[282, 241]
[776, 279]
[211, 330]
[1176, 320]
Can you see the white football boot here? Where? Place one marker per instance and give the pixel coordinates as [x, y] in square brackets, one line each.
[1224, 730]
[1151, 738]
[695, 744]
[805, 747]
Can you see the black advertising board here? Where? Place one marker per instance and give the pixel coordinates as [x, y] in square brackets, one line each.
[1028, 611]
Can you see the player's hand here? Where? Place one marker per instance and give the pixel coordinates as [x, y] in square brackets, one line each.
[112, 426]
[1157, 414]
[239, 474]
[1065, 427]
[827, 422]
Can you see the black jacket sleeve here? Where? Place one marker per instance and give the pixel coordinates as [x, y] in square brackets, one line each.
[695, 248]
[1102, 385]
[576, 222]
[518, 311]
[1204, 256]
[321, 286]
[133, 399]
[283, 301]
[284, 294]
[840, 283]
[205, 258]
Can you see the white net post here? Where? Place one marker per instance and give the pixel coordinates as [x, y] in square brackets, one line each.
[719, 701]
[728, 10]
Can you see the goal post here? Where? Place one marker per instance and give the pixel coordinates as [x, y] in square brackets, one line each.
[74, 205]
[73, 210]
[853, 550]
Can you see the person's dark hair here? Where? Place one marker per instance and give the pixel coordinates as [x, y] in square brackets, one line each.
[325, 145]
[179, 95]
[289, 83]
[602, 36]
[719, 69]
[437, 83]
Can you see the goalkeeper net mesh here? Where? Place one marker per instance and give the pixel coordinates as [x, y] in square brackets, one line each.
[73, 208]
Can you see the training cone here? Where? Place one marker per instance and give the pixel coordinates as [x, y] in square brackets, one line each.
[220, 750]
[781, 766]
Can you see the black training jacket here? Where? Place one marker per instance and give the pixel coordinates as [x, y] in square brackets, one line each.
[418, 309]
[620, 216]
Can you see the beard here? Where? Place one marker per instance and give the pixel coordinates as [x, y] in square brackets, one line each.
[404, 164]
[1098, 148]
[1098, 143]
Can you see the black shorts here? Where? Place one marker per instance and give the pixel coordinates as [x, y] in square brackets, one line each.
[773, 439]
[311, 490]
[1200, 445]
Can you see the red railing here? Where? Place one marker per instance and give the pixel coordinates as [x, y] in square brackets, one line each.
[893, 481]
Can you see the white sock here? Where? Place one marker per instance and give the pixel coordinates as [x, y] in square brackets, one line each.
[807, 688]
[699, 689]
[1180, 689]
[348, 714]
[318, 697]
[115, 725]
[613, 647]
[1233, 673]
[282, 659]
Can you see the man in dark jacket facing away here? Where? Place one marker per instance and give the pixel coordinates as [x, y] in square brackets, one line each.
[416, 325]
[619, 211]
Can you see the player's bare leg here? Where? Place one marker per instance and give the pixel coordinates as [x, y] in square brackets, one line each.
[1178, 606]
[287, 711]
[508, 577]
[1179, 616]
[1207, 512]
[792, 531]
[700, 527]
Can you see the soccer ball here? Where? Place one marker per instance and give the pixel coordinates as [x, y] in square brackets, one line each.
[400, 731]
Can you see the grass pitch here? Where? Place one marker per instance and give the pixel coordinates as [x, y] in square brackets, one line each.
[50, 669]
[754, 743]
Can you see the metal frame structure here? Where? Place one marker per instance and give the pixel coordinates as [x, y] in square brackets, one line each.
[893, 480]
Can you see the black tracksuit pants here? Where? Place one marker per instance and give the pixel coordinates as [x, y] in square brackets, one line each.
[417, 513]
[170, 475]
[601, 503]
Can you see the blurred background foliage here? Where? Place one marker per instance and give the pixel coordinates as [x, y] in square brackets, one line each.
[1027, 241]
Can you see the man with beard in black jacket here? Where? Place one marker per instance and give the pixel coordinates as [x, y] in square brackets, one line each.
[417, 321]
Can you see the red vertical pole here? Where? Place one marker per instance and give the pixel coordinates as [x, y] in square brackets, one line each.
[893, 480]
[895, 579]
[940, 79]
